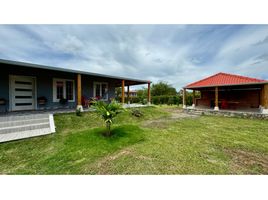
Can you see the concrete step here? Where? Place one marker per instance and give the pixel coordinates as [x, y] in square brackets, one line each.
[24, 134]
[26, 127]
[22, 117]
[23, 126]
[5, 124]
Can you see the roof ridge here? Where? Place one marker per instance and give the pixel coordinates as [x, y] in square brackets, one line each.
[223, 75]
[208, 77]
[240, 76]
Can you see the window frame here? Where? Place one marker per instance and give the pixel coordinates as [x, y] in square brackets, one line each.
[64, 89]
[101, 83]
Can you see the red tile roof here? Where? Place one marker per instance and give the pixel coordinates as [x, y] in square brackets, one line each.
[223, 79]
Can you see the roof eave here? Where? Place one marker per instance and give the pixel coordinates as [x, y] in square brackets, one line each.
[196, 87]
[24, 64]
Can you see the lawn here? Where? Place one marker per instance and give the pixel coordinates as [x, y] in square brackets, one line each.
[159, 142]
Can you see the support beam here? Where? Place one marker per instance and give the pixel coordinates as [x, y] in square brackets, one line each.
[79, 93]
[193, 99]
[264, 108]
[128, 101]
[184, 98]
[149, 93]
[216, 98]
[123, 92]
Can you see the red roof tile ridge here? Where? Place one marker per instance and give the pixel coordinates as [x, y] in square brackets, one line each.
[229, 75]
[208, 77]
[243, 77]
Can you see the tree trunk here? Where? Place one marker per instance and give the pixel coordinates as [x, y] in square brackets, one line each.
[108, 126]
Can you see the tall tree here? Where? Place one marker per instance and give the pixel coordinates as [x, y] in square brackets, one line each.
[162, 88]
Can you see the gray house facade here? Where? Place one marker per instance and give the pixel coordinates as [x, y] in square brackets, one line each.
[26, 86]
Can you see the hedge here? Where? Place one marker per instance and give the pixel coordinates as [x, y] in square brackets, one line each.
[164, 99]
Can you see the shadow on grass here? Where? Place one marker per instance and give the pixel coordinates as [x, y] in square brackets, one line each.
[87, 146]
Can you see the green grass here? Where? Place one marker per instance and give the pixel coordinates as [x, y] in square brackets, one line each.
[153, 144]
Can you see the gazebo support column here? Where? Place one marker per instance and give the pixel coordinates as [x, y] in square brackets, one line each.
[123, 92]
[128, 101]
[264, 96]
[184, 98]
[216, 98]
[149, 94]
[193, 105]
[79, 93]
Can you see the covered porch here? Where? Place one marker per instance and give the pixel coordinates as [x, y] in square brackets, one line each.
[234, 97]
[117, 82]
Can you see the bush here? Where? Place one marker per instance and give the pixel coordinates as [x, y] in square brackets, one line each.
[167, 99]
[136, 113]
[78, 112]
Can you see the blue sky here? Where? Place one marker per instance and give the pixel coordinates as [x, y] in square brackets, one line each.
[178, 54]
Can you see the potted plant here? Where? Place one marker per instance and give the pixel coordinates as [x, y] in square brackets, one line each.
[63, 101]
[42, 100]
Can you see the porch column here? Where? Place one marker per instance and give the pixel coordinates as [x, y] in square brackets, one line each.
[123, 92]
[128, 101]
[193, 99]
[149, 93]
[216, 98]
[264, 108]
[79, 93]
[183, 98]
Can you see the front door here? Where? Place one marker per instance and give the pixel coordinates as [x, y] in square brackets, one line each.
[22, 93]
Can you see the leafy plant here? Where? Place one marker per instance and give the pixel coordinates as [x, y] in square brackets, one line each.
[136, 113]
[108, 111]
[63, 101]
[78, 112]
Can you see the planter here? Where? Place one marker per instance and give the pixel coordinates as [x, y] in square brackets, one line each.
[42, 100]
[2, 102]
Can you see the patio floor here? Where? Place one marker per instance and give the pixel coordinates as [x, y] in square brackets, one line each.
[57, 111]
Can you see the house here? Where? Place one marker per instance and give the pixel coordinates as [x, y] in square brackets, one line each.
[26, 86]
[131, 93]
[224, 91]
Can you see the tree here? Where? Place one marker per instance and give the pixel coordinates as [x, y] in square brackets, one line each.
[118, 92]
[162, 88]
[108, 111]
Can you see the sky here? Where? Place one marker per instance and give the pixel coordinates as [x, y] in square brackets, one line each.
[177, 54]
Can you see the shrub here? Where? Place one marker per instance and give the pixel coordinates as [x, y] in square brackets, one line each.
[78, 112]
[108, 112]
[136, 113]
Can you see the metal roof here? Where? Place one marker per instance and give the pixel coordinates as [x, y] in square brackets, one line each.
[224, 79]
[25, 64]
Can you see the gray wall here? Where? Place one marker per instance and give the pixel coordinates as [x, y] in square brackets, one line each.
[44, 84]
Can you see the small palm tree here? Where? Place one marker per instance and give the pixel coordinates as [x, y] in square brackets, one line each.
[108, 112]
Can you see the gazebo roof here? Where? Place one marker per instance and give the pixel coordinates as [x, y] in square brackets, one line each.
[224, 79]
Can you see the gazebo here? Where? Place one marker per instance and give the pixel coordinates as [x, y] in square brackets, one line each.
[230, 92]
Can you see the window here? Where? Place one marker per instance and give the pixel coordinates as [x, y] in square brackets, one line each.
[59, 89]
[101, 90]
[70, 90]
[63, 89]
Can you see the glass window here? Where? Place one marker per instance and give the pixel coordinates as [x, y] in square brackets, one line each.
[69, 90]
[104, 91]
[101, 90]
[59, 89]
[97, 91]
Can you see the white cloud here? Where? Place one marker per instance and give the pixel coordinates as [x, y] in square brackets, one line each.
[177, 54]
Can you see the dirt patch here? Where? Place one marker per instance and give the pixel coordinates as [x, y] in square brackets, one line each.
[163, 122]
[104, 163]
[248, 162]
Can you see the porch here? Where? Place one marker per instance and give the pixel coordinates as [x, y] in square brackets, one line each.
[230, 93]
[26, 87]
